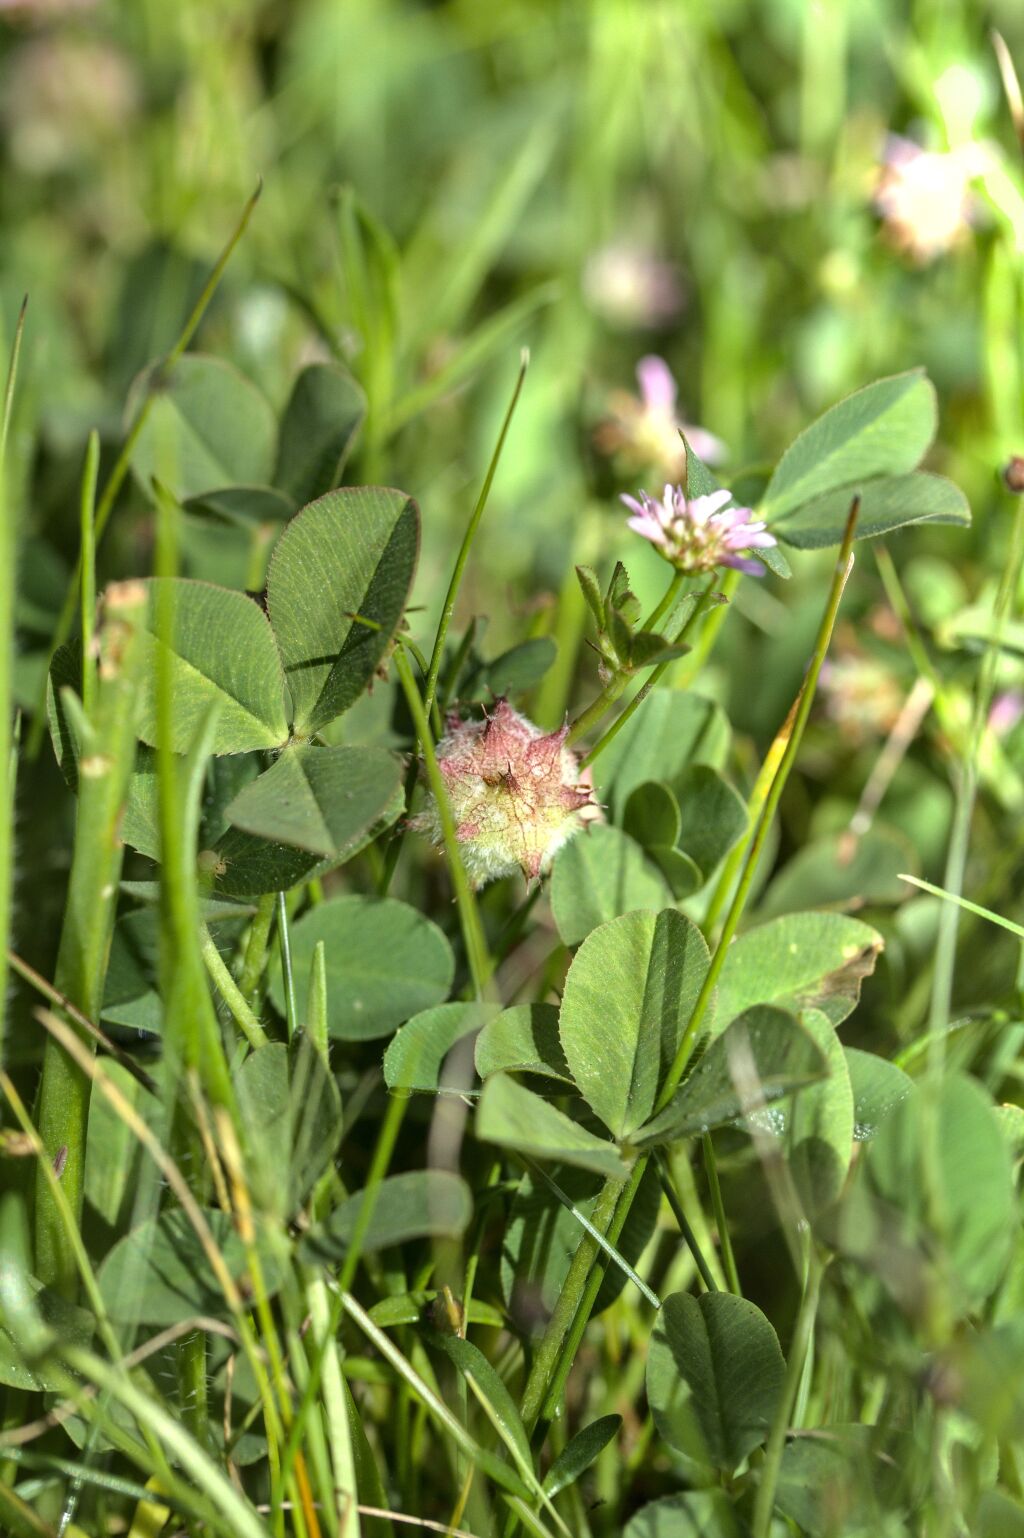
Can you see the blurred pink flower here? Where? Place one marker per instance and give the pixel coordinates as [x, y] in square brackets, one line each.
[642, 431]
[630, 286]
[924, 196]
[699, 533]
[1007, 709]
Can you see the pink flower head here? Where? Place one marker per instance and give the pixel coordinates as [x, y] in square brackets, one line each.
[924, 196]
[699, 533]
[516, 794]
[1007, 709]
[643, 431]
[630, 286]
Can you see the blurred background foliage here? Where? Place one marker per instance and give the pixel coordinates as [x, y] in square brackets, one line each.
[446, 183]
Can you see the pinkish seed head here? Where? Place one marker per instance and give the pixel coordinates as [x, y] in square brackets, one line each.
[516, 794]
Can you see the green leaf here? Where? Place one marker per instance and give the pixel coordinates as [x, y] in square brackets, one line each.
[834, 1481]
[23, 1332]
[113, 1156]
[800, 961]
[885, 504]
[941, 1163]
[541, 1237]
[245, 866]
[844, 870]
[323, 800]
[471, 1363]
[989, 1365]
[651, 815]
[998, 1515]
[646, 648]
[619, 597]
[159, 1274]
[695, 1514]
[683, 875]
[881, 430]
[243, 507]
[672, 730]
[423, 1204]
[290, 1107]
[818, 1131]
[628, 997]
[324, 413]
[518, 669]
[523, 1039]
[352, 553]
[385, 963]
[590, 587]
[222, 653]
[762, 1056]
[423, 1304]
[878, 1087]
[416, 1054]
[580, 1452]
[700, 481]
[513, 1117]
[599, 876]
[714, 1377]
[713, 816]
[207, 427]
[774, 558]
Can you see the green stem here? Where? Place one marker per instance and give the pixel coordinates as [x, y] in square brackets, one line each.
[256, 948]
[469, 914]
[656, 676]
[230, 992]
[668, 598]
[685, 1227]
[545, 1358]
[718, 1208]
[437, 655]
[803, 1332]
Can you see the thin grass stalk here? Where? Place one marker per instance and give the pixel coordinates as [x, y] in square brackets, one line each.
[287, 976]
[800, 1345]
[800, 715]
[228, 1511]
[966, 792]
[86, 1061]
[685, 1227]
[8, 752]
[87, 562]
[76, 1244]
[718, 1208]
[106, 758]
[462, 559]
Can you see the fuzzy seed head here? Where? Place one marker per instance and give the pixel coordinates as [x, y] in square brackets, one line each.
[516, 794]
